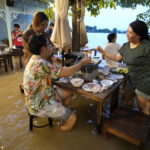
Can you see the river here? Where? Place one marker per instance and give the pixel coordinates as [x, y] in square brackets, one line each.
[14, 123]
[95, 39]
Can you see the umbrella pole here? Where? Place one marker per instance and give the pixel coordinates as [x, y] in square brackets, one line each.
[63, 58]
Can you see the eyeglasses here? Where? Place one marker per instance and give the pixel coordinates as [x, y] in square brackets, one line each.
[48, 44]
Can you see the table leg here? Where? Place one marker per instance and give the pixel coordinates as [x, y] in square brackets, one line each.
[99, 116]
[114, 100]
[11, 63]
[20, 60]
[5, 64]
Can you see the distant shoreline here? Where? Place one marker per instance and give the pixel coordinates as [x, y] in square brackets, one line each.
[106, 32]
[90, 29]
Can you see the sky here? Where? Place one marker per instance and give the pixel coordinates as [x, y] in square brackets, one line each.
[118, 18]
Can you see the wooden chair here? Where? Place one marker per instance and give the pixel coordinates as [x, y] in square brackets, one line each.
[4, 60]
[129, 125]
[31, 124]
[7, 60]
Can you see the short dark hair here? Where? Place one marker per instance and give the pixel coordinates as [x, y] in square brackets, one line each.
[111, 36]
[140, 28]
[51, 24]
[36, 43]
[17, 25]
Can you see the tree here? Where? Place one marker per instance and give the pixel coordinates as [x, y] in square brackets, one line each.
[95, 6]
[114, 30]
[145, 16]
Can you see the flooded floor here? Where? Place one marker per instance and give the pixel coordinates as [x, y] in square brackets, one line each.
[14, 126]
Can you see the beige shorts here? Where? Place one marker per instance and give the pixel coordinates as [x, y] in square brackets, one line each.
[56, 109]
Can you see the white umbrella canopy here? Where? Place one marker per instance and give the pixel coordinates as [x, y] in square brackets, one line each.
[61, 34]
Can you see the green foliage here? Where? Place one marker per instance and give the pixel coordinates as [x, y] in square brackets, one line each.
[49, 11]
[94, 6]
[131, 3]
[145, 16]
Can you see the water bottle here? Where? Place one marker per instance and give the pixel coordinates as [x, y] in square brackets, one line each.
[95, 52]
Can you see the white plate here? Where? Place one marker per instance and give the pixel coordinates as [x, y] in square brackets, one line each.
[113, 79]
[106, 83]
[116, 76]
[91, 87]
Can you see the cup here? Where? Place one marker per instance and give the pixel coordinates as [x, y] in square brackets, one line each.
[106, 70]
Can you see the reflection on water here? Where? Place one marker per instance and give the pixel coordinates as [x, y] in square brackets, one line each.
[14, 134]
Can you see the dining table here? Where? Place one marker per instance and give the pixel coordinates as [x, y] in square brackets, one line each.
[100, 97]
[6, 58]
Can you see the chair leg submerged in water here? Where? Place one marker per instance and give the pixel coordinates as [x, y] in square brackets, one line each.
[31, 124]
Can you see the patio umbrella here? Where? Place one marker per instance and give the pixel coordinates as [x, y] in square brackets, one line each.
[83, 35]
[61, 34]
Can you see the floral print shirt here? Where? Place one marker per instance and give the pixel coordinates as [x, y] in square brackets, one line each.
[37, 83]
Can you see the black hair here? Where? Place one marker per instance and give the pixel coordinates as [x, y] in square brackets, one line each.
[51, 24]
[17, 25]
[36, 43]
[140, 28]
[111, 36]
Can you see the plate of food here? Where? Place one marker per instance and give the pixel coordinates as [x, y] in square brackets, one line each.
[91, 87]
[76, 82]
[119, 70]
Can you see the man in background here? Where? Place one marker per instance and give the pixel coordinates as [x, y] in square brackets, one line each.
[17, 37]
[113, 48]
[50, 29]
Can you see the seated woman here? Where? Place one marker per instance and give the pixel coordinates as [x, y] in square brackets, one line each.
[136, 54]
[41, 98]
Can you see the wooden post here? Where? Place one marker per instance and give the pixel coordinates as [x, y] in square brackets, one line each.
[74, 26]
[78, 24]
[8, 23]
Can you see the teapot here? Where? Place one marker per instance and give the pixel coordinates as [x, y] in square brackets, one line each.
[88, 68]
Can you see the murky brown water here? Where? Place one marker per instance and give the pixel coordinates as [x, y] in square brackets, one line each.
[14, 134]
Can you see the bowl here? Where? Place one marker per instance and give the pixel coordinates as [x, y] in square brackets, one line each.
[76, 82]
[106, 83]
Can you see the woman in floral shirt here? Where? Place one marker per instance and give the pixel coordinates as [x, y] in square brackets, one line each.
[39, 93]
